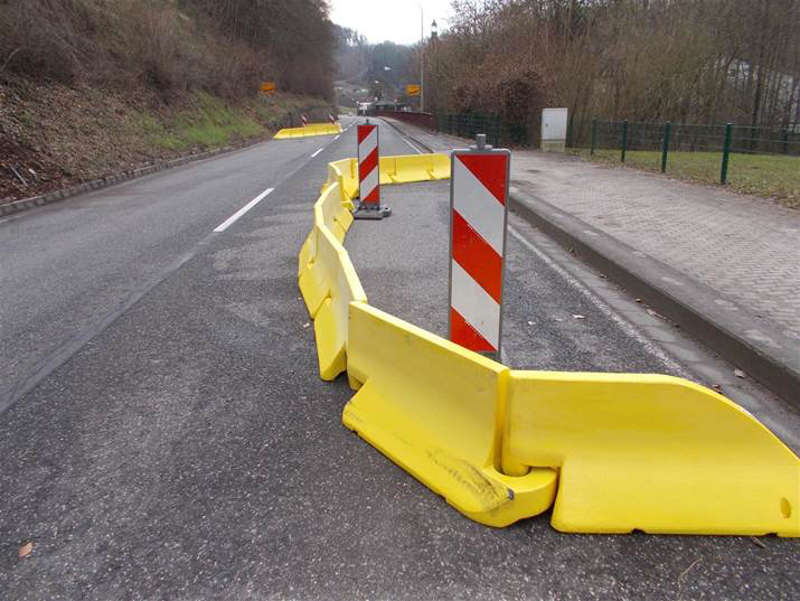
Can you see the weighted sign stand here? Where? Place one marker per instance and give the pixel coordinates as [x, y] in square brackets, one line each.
[369, 188]
[478, 220]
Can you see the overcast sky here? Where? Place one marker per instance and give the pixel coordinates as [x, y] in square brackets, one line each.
[394, 20]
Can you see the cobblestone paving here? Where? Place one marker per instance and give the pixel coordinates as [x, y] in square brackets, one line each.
[746, 248]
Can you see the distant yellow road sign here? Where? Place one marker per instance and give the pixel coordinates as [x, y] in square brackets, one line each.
[413, 90]
[268, 87]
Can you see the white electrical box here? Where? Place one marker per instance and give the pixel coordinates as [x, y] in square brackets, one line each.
[554, 129]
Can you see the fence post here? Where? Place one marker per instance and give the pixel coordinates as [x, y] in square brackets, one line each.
[726, 151]
[594, 136]
[665, 146]
[568, 141]
[785, 141]
[624, 139]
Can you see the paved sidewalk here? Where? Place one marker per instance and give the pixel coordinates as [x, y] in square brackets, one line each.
[731, 261]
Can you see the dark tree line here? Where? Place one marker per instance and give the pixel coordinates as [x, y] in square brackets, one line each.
[702, 61]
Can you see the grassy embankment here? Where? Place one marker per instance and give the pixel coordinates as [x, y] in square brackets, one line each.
[57, 135]
[770, 176]
[90, 88]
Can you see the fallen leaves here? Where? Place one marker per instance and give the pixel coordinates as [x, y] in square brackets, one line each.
[739, 373]
[25, 550]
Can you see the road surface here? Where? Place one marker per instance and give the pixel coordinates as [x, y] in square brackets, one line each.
[165, 434]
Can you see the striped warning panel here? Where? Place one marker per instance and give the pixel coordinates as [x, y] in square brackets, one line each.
[368, 174]
[479, 188]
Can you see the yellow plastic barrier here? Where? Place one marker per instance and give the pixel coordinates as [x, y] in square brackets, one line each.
[403, 169]
[314, 276]
[312, 129]
[319, 268]
[328, 285]
[650, 452]
[433, 407]
[307, 252]
[330, 212]
[654, 453]
[345, 173]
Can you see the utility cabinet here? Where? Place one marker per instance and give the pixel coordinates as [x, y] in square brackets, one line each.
[554, 129]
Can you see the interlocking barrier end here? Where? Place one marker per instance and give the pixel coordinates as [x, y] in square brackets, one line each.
[431, 406]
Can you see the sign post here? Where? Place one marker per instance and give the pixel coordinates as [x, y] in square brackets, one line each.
[369, 188]
[478, 220]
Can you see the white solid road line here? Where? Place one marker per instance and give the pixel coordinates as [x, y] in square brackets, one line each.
[232, 219]
[417, 150]
[317, 152]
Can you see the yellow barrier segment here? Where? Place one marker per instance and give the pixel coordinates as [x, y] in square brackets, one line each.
[433, 408]
[315, 277]
[331, 213]
[307, 252]
[319, 276]
[403, 169]
[345, 173]
[649, 452]
[328, 285]
[312, 129]
[400, 169]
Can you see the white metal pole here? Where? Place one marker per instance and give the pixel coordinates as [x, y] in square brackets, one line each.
[421, 60]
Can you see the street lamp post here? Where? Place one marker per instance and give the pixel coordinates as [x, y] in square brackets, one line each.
[421, 60]
[433, 98]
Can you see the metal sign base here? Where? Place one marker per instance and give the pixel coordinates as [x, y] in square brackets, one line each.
[364, 212]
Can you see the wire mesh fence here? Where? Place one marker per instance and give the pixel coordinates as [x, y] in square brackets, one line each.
[498, 131]
[756, 160]
[654, 143]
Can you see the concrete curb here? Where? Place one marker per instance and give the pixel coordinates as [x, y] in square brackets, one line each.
[773, 361]
[24, 204]
[767, 355]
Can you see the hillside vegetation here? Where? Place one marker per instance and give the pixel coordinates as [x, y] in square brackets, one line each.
[88, 87]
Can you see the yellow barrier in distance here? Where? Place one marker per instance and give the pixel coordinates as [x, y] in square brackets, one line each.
[433, 408]
[312, 129]
[650, 452]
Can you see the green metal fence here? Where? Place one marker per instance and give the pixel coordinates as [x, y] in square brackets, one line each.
[665, 138]
[468, 125]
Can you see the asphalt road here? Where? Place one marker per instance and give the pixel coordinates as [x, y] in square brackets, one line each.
[166, 435]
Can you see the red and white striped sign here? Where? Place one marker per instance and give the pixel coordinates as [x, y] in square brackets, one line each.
[368, 174]
[479, 189]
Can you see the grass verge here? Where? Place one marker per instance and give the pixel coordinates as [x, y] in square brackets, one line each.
[769, 176]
